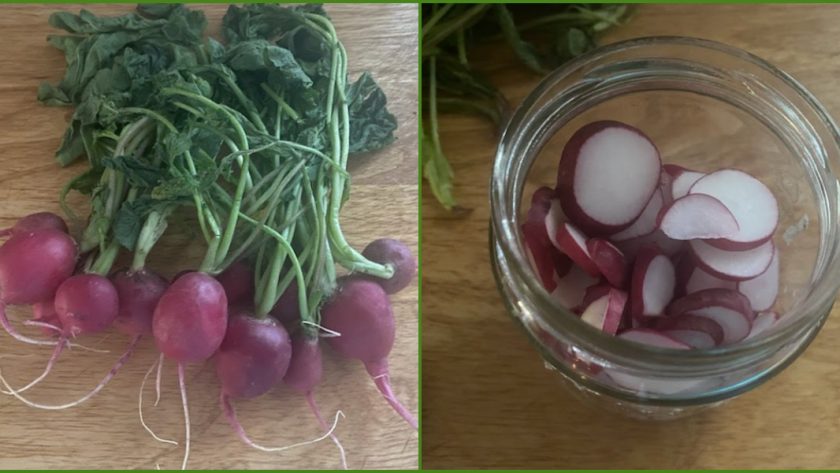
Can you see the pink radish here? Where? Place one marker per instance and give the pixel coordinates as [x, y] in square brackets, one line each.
[553, 219]
[692, 338]
[287, 309]
[545, 259]
[763, 289]
[540, 203]
[609, 260]
[646, 223]
[652, 283]
[727, 308]
[573, 244]
[395, 253]
[361, 312]
[682, 183]
[138, 293]
[751, 203]
[44, 312]
[694, 323]
[734, 265]
[36, 222]
[654, 338]
[607, 174]
[238, 282]
[763, 322]
[697, 216]
[595, 292]
[605, 313]
[570, 289]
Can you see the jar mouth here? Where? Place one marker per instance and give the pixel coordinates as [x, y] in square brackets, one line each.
[811, 118]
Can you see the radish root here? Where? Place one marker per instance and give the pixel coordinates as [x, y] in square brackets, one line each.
[310, 399]
[140, 406]
[230, 415]
[120, 362]
[383, 383]
[7, 326]
[38, 323]
[186, 415]
[58, 349]
[327, 332]
[157, 379]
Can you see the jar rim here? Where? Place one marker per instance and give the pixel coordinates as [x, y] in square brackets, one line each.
[822, 291]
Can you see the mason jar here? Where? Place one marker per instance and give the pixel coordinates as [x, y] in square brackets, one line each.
[707, 106]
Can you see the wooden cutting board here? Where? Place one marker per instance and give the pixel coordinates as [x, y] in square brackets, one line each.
[105, 432]
[487, 400]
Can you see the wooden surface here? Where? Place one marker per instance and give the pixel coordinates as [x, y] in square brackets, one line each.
[105, 432]
[487, 400]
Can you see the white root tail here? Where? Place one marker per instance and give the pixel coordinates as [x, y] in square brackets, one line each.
[157, 379]
[56, 353]
[310, 399]
[140, 406]
[186, 416]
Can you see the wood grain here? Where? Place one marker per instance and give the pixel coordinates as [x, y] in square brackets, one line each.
[488, 401]
[105, 432]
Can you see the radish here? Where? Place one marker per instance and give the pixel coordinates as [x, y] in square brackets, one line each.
[763, 289]
[573, 244]
[693, 323]
[44, 313]
[138, 293]
[654, 338]
[605, 313]
[595, 292]
[545, 259]
[571, 288]
[238, 282]
[609, 260]
[652, 283]
[666, 184]
[733, 265]
[36, 222]
[751, 203]
[607, 174]
[683, 181]
[646, 223]
[540, 203]
[763, 321]
[287, 310]
[667, 245]
[396, 254]
[727, 308]
[697, 216]
[553, 219]
[692, 338]
[697, 279]
[361, 313]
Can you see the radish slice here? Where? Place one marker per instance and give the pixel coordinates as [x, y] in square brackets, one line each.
[692, 338]
[763, 289]
[595, 292]
[727, 308]
[763, 321]
[688, 322]
[631, 247]
[540, 203]
[652, 284]
[646, 223]
[734, 265]
[666, 183]
[736, 326]
[573, 244]
[700, 280]
[607, 174]
[751, 203]
[571, 288]
[683, 182]
[609, 260]
[605, 312]
[653, 337]
[545, 259]
[697, 216]
[553, 219]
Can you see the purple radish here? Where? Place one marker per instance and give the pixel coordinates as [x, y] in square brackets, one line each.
[682, 183]
[138, 293]
[652, 283]
[763, 289]
[646, 223]
[697, 216]
[395, 253]
[727, 308]
[238, 282]
[44, 313]
[606, 312]
[609, 260]
[733, 265]
[572, 243]
[607, 174]
[692, 338]
[361, 313]
[763, 322]
[571, 288]
[36, 222]
[751, 203]
[688, 322]
[287, 309]
[304, 375]
[653, 338]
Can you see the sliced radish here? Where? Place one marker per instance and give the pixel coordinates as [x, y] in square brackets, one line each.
[700, 280]
[763, 321]
[646, 223]
[540, 203]
[607, 173]
[609, 260]
[595, 292]
[735, 265]
[605, 313]
[571, 288]
[683, 182]
[666, 183]
[727, 308]
[652, 283]
[692, 338]
[553, 219]
[545, 259]
[763, 289]
[572, 243]
[653, 337]
[736, 325]
[631, 247]
[697, 216]
[692, 323]
[750, 201]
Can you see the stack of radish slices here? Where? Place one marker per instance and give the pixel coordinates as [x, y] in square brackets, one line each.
[655, 254]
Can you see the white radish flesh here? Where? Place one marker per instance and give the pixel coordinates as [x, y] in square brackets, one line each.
[646, 223]
[763, 289]
[571, 288]
[727, 308]
[683, 182]
[736, 326]
[609, 260]
[607, 173]
[605, 312]
[700, 280]
[652, 283]
[692, 338]
[553, 219]
[693, 323]
[763, 322]
[750, 201]
[572, 243]
[697, 216]
[652, 337]
[545, 259]
[735, 265]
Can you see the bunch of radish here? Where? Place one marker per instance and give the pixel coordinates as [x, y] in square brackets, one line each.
[656, 254]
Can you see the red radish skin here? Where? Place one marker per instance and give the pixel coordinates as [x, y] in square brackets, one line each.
[699, 280]
[609, 260]
[287, 309]
[692, 338]
[572, 243]
[727, 308]
[571, 288]
[682, 183]
[693, 323]
[190, 319]
[646, 223]
[605, 313]
[45, 312]
[595, 292]
[751, 203]
[86, 304]
[36, 222]
[396, 254]
[653, 338]
[763, 289]
[553, 219]
[733, 265]
[361, 312]
[138, 293]
[540, 203]
[607, 174]
[545, 259]
[666, 184]
[631, 247]
[33, 265]
[238, 282]
[652, 283]
[697, 216]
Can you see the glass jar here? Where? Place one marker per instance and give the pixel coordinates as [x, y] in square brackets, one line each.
[706, 106]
